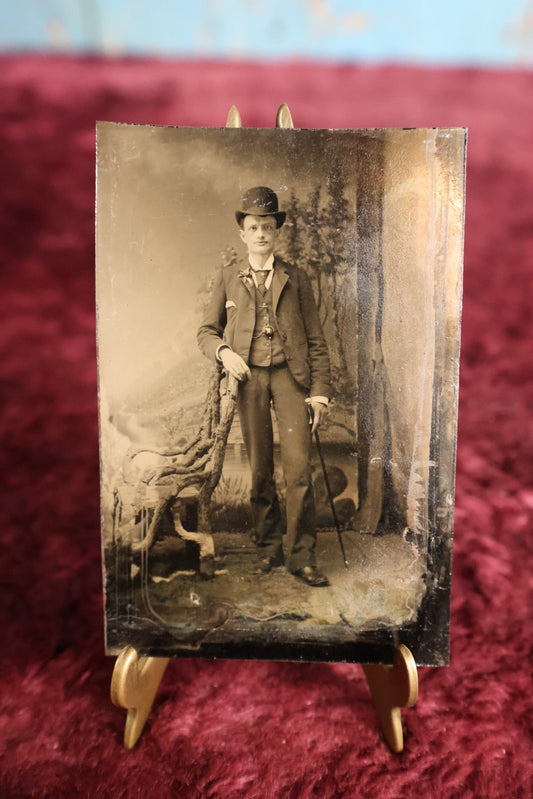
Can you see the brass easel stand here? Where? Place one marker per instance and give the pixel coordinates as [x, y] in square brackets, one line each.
[135, 680]
[134, 685]
[391, 688]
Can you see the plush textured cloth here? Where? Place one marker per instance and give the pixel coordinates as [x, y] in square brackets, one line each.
[241, 729]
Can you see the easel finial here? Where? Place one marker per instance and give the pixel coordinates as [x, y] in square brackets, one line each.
[234, 118]
[283, 117]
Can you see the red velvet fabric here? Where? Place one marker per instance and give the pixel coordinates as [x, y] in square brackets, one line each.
[241, 729]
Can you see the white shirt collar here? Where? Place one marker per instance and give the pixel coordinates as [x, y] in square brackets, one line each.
[268, 266]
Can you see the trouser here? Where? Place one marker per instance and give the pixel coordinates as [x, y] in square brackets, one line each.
[277, 384]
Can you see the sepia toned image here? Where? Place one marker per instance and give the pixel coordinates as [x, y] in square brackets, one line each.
[278, 350]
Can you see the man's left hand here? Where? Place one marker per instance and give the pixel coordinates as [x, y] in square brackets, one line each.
[318, 414]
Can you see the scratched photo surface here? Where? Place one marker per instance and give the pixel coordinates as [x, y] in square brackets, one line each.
[374, 221]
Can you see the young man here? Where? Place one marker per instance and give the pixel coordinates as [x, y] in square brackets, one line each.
[262, 325]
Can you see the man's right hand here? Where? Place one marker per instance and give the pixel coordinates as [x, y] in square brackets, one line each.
[234, 364]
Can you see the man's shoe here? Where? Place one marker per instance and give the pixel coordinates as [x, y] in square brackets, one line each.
[266, 565]
[312, 576]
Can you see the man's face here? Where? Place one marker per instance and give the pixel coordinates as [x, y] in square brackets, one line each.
[259, 233]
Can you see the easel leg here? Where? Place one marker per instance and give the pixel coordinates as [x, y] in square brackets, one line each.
[393, 687]
[135, 682]
[134, 685]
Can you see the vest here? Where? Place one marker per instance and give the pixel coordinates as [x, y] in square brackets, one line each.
[265, 351]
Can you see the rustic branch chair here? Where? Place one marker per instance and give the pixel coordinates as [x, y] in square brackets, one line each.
[197, 466]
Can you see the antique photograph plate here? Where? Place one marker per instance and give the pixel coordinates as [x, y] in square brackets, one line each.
[228, 529]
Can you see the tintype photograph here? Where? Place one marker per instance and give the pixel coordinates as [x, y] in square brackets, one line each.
[278, 350]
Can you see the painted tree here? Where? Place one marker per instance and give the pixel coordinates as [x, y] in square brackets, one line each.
[293, 232]
[339, 224]
[316, 237]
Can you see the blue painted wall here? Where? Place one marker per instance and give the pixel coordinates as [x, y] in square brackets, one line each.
[413, 31]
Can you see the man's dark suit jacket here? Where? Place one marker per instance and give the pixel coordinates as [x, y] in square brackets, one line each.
[230, 319]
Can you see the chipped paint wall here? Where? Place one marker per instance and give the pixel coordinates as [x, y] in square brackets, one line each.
[414, 31]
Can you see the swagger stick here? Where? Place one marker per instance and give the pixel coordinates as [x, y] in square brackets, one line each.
[330, 497]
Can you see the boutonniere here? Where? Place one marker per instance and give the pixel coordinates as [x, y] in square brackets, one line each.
[245, 274]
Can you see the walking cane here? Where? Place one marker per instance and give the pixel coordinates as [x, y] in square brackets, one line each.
[330, 497]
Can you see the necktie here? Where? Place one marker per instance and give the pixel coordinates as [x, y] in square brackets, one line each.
[261, 276]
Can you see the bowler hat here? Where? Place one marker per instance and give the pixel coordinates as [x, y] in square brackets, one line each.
[260, 201]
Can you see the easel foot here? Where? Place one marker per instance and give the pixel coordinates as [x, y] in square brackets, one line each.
[134, 685]
[393, 687]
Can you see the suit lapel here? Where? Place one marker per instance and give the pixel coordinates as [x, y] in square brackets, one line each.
[279, 281]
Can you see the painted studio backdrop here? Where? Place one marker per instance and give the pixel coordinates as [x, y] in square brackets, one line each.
[375, 218]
